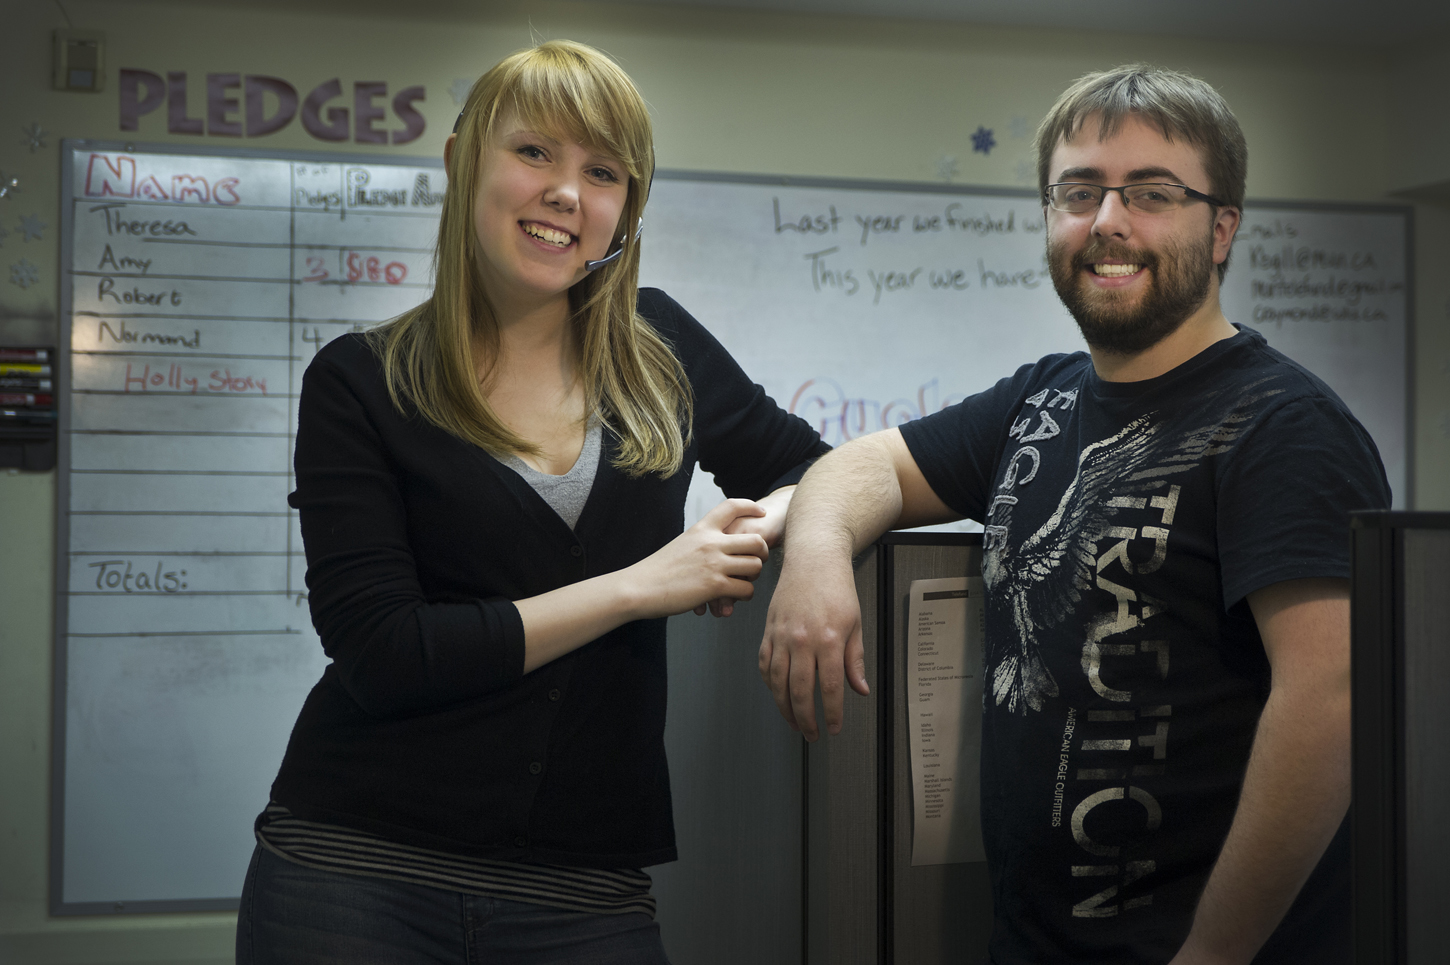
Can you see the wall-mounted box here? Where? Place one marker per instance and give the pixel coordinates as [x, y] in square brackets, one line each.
[27, 408]
[80, 60]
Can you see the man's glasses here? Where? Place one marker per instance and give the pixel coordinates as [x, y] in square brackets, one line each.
[1075, 197]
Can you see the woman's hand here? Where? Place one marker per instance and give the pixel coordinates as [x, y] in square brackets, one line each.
[710, 561]
[769, 526]
[701, 564]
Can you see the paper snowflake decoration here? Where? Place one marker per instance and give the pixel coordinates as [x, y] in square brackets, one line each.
[24, 274]
[983, 140]
[946, 168]
[459, 90]
[34, 137]
[9, 185]
[32, 226]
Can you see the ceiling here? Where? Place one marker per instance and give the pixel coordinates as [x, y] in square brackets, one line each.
[1338, 22]
[1341, 23]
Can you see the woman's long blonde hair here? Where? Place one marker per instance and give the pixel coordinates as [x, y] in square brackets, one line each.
[632, 381]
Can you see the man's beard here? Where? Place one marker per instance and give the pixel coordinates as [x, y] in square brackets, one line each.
[1178, 286]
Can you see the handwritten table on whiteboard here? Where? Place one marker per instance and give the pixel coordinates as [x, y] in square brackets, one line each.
[199, 288]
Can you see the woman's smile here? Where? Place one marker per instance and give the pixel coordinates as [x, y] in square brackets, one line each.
[550, 236]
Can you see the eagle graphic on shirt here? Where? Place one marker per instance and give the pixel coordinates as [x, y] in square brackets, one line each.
[1043, 578]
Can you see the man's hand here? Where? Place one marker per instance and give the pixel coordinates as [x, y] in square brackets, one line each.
[814, 628]
[1296, 788]
[848, 499]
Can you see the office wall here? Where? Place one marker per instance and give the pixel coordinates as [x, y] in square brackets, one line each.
[1431, 429]
[1419, 121]
[731, 91]
[1419, 171]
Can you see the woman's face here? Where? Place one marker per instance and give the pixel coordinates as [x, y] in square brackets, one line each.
[543, 208]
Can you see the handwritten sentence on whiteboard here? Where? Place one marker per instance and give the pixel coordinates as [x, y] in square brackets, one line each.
[954, 218]
[826, 275]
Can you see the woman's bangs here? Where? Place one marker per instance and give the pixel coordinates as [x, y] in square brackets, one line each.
[570, 104]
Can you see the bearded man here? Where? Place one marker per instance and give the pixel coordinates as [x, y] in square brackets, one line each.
[1166, 560]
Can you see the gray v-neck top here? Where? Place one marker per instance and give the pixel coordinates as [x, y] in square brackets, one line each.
[568, 493]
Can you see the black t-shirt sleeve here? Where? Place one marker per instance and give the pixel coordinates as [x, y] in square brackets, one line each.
[957, 448]
[1285, 495]
[746, 441]
[395, 651]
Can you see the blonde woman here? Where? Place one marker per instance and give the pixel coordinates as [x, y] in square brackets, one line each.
[491, 490]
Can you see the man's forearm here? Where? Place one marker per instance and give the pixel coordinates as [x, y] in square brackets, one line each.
[847, 499]
[850, 497]
[1296, 793]
[813, 629]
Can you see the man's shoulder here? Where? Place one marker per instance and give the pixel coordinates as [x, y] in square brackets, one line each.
[1263, 404]
[986, 416]
[1242, 379]
[1253, 360]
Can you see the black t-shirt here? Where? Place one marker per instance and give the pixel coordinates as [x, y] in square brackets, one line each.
[1125, 523]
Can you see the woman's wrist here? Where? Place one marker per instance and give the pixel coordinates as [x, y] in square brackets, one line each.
[624, 589]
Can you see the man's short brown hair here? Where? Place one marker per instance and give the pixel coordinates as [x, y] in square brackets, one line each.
[1179, 105]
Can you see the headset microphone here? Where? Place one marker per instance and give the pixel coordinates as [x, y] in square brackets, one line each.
[592, 265]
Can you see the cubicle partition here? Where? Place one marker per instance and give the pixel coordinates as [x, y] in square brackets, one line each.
[793, 852]
[1401, 652]
[866, 901]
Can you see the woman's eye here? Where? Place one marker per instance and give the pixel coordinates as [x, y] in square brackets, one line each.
[603, 174]
[532, 152]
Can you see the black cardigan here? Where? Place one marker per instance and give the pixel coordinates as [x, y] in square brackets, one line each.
[424, 728]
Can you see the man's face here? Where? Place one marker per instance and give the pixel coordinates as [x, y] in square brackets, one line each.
[1131, 279]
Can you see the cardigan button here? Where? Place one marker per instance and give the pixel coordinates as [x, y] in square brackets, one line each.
[536, 768]
[554, 694]
[576, 550]
[521, 842]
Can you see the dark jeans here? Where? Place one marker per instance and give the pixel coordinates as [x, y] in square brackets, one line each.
[293, 915]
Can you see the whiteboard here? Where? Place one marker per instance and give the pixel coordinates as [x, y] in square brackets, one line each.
[200, 283]
[863, 305]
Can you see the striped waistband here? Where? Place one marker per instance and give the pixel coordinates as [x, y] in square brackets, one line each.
[331, 847]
